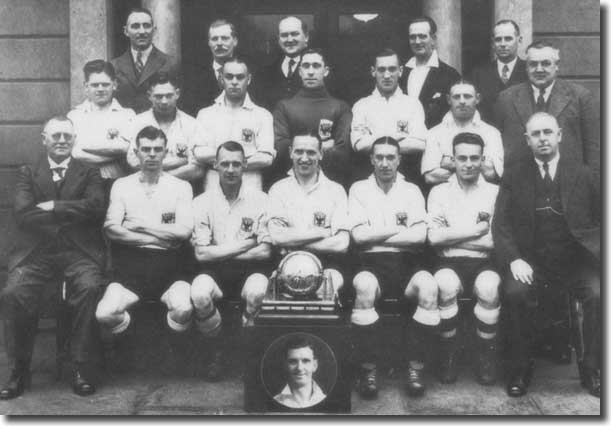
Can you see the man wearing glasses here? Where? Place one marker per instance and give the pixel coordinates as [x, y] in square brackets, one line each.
[546, 235]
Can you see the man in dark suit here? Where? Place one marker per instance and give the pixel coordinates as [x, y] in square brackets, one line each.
[505, 71]
[140, 62]
[280, 79]
[59, 207]
[425, 76]
[573, 106]
[206, 83]
[546, 234]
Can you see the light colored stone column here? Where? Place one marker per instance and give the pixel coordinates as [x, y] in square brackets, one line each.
[89, 39]
[520, 11]
[166, 14]
[446, 14]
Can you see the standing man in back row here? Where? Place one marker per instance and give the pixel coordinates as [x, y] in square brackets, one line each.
[426, 76]
[138, 64]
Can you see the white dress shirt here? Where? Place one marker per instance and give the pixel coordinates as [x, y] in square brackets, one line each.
[510, 66]
[546, 92]
[416, 78]
[553, 166]
[63, 165]
[145, 54]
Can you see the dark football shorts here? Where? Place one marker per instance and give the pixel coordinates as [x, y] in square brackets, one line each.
[467, 269]
[230, 275]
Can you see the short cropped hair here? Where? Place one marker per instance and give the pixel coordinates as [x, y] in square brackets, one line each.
[385, 140]
[509, 21]
[219, 23]
[463, 81]
[427, 19]
[152, 133]
[163, 77]
[99, 66]
[385, 53]
[469, 138]
[237, 60]
[298, 342]
[542, 44]
[542, 114]
[309, 134]
[315, 51]
[304, 26]
[231, 146]
[138, 10]
[58, 117]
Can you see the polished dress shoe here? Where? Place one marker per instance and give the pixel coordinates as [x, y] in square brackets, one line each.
[368, 381]
[414, 381]
[591, 381]
[18, 381]
[518, 385]
[80, 385]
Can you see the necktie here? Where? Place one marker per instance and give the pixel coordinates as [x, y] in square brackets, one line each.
[139, 63]
[505, 74]
[219, 78]
[547, 178]
[59, 171]
[289, 74]
[541, 101]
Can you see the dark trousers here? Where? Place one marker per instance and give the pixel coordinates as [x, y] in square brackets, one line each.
[522, 301]
[22, 298]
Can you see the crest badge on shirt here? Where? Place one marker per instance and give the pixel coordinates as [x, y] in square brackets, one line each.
[402, 126]
[483, 217]
[181, 150]
[169, 217]
[401, 218]
[248, 135]
[319, 219]
[324, 128]
[247, 224]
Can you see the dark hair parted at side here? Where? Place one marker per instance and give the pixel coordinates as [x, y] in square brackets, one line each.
[316, 51]
[509, 21]
[385, 53]
[231, 146]
[138, 10]
[99, 66]
[385, 140]
[223, 22]
[466, 137]
[427, 19]
[152, 133]
[298, 342]
[310, 134]
[163, 78]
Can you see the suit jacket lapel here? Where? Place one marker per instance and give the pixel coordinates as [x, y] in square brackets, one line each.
[71, 179]
[527, 190]
[44, 179]
[567, 172]
[128, 68]
[153, 63]
[558, 99]
[428, 88]
[523, 103]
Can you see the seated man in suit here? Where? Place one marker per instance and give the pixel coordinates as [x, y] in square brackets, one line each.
[179, 128]
[301, 364]
[148, 220]
[460, 211]
[232, 248]
[59, 207]
[546, 235]
[389, 230]
[388, 112]
[137, 65]
[505, 71]
[426, 77]
[235, 117]
[312, 109]
[280, 79]
[101, 124]
[437, 162]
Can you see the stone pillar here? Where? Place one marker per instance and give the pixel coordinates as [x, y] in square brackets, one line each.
[520, 11]
[89, 39]
[166, 14]
[447, 16]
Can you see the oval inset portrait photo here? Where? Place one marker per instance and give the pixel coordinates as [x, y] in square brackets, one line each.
[299, 370]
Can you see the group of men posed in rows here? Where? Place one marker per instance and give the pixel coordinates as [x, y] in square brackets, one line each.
[498, 176]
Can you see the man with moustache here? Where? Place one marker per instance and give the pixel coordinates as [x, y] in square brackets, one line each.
[234, 117]
[207, 81]
[313, 110]
[437, 162]
[505, 71]
[179, 128]
[573, 106]
[389, 230]
[280, 79]
[426, 77]
[101, 124]
[388, 112]
[140, 62]
[547, 240]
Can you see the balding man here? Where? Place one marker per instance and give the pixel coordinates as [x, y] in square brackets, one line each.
[546, 234]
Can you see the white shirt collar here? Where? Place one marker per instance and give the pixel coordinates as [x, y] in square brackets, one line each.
[546, 93]
[247, 104]
[433, 61]
[376, 93]
[145, 53]
[553, 166]
[453, 182]
[87, 106]
[288, 399]
[322, 180]
[448, 119]
[216, 66]
[62, 165]
[285, 64]
[511, 65]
